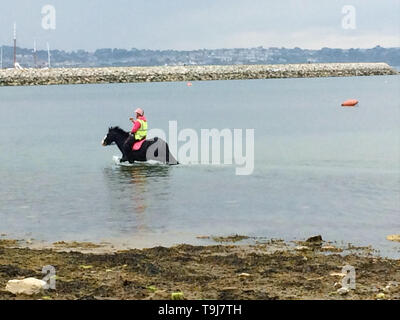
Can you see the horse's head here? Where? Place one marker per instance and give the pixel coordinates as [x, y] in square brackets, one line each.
[113, 134]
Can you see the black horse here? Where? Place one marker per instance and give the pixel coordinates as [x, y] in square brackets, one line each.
[153, 149]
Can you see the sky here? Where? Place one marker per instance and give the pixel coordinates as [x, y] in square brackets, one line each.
[211, 24]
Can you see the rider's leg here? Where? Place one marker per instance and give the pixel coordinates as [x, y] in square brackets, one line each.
[127, 148]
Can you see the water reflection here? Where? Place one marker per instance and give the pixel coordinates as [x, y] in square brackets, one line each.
[136, 192]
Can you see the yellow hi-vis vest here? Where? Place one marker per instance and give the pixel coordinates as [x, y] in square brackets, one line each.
[142, 132]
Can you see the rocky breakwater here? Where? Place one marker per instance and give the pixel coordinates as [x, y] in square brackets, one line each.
[28, 77]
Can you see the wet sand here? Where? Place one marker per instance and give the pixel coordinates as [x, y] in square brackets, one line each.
[228, 270]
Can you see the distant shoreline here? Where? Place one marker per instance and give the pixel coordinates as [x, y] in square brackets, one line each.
[58, 76]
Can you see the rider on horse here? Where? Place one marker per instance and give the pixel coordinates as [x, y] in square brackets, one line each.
[137, 134]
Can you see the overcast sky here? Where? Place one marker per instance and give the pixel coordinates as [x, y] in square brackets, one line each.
[178, 24]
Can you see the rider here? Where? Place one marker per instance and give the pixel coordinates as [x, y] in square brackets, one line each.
[138, 132]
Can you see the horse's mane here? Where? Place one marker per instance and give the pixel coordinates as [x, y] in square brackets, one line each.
[118, 130]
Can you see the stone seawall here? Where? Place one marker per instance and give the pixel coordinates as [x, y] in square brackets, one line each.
[28, 77]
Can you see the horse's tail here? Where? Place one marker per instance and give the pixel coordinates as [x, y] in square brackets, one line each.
[160, 151]
[169, 157]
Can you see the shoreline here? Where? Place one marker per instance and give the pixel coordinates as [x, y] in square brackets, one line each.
[310, 269]
[58, 76]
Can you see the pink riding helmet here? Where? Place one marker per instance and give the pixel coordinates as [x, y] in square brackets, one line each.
[139, 111]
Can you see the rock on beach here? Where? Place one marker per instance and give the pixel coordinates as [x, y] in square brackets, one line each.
[26, 286]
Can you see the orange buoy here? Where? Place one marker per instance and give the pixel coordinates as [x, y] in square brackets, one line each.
[189, 84]
[350, 103]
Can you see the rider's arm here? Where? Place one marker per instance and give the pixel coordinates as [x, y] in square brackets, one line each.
[136, 126]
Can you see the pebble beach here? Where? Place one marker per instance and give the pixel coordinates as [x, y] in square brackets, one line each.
[228, 270]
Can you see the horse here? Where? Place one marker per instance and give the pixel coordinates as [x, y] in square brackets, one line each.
[152, 149]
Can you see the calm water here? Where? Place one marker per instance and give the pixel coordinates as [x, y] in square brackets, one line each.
[319, 168]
